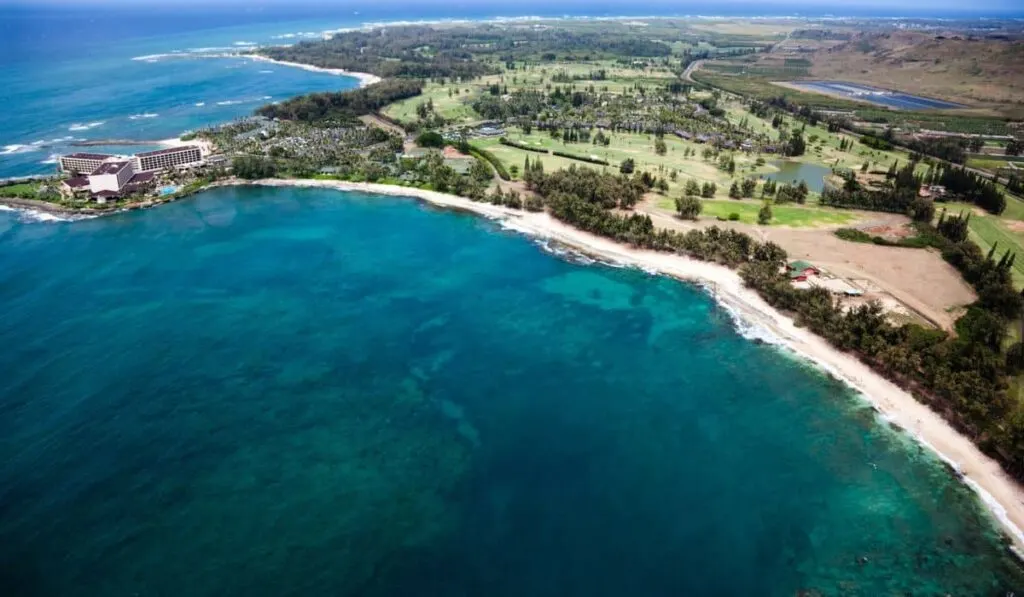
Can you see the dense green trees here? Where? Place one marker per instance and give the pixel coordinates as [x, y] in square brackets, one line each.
[343, 106]
[253, 167]
[963, 375]
[689, 207]
[764, 215]
[430, 139]
[796, 145]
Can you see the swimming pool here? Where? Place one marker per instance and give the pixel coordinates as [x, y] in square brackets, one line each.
[167, 190]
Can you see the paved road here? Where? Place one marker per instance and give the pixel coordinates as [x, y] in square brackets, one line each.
[690, 70]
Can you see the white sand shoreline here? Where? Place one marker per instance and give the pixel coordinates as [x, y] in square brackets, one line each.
[1000, 493]
[364, 78]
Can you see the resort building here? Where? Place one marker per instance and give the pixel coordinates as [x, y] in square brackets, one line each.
[111, 176]
[74, 185]
[172, 157]
[83, 163]
[107, 177]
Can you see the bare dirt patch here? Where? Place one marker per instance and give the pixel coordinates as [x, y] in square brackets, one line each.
[919, 279]
[890, 232]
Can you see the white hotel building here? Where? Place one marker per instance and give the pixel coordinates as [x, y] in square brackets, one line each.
[108, 175]
[172, 157]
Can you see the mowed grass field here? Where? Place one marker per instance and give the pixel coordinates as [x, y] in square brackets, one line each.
[458, 108]
[454, 107]
[797, 216]
[1006, 231]
[638, 147]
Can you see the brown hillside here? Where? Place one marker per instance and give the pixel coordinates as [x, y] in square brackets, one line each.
[977, 72]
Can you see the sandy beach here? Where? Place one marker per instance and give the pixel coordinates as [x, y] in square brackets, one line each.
[364, 78]
[1001, 494]
[206, 147]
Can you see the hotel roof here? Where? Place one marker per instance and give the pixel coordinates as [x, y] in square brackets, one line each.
[90, 156]
[110, 168]
[141, 177]
[147, 154]
[77, 182]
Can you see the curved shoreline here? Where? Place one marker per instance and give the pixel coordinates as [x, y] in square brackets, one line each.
[998, 492]
[363, 78]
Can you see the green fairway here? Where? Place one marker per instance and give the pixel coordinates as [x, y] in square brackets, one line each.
[986, 230]
[797, 216]
[641, 149]
[451, 106]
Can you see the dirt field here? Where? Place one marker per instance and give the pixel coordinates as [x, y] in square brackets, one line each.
[917, 278]
[374, 120]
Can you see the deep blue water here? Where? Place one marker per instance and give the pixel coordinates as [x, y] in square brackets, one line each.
[303, 392]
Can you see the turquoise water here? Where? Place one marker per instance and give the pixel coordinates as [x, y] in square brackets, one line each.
[71, 77]
[303, 392]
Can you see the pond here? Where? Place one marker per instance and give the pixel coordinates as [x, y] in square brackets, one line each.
[793, 172]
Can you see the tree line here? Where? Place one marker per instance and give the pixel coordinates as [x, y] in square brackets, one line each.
[342, 107]
[964, 376]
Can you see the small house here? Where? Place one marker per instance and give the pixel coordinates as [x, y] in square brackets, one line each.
[799, 271]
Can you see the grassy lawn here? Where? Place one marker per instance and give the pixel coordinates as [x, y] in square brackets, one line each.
[798, 216]
[455, 107]
[986, 230]
[986, 163]
[24, 189]
[640, 148]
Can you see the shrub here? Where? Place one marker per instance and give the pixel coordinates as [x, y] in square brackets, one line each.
[430, 139]
[492, 159]
[581, 158]
[505, 141]
[734, 217]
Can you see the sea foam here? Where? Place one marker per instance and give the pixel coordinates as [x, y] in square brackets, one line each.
[85, 127]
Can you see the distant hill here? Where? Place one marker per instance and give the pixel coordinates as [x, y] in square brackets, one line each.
[982, 72]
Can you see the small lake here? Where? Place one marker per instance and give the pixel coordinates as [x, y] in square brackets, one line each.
[793, 172]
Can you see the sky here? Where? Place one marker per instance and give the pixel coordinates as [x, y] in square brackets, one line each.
[522, 7]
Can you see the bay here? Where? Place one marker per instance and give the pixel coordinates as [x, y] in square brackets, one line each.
[272, 391]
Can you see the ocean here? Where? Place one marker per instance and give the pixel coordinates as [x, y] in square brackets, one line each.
[272, 391]
[79, 73]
